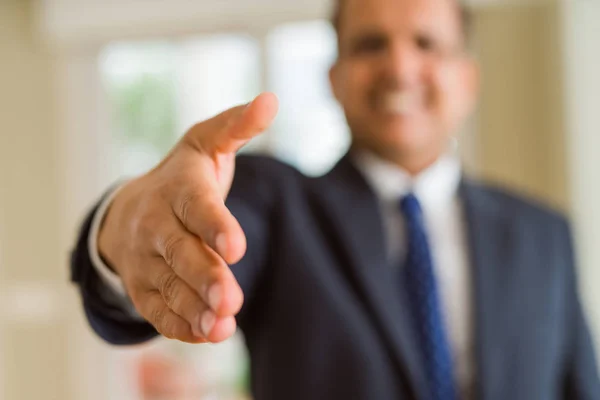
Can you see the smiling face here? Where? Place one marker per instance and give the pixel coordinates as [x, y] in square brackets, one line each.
[403, 77]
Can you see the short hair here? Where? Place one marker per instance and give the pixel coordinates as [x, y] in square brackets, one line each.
[463, 13]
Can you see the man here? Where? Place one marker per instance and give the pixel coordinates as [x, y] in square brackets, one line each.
[391, 277]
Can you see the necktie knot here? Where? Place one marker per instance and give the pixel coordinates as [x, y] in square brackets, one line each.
[410, 207]
[413, 216]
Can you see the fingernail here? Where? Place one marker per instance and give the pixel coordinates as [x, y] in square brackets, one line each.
[221, 244]
[197, 327]
[207, 322]
[214, 296]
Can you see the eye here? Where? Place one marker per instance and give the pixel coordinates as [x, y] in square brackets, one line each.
[369, 44]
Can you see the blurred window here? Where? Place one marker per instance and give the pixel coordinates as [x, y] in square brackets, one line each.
[310, 132]
[158, 90]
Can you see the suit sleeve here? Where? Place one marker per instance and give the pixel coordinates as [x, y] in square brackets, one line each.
[581, 378]
[108, 319]
[250, 200]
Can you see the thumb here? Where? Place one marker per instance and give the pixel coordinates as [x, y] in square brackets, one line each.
[230, 130]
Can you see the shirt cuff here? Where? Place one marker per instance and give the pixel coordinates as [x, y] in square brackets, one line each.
[109, 278]
[113, 291]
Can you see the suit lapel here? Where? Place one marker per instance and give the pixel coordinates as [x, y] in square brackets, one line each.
[355, 215]
[492, 252]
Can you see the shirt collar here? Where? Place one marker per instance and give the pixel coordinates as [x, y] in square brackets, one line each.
[436, 185]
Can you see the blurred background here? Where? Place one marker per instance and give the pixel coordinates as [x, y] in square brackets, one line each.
[93, 91]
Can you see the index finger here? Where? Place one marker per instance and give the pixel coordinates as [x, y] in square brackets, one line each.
[202, 211]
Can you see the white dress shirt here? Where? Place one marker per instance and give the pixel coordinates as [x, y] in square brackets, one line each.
[436, 188]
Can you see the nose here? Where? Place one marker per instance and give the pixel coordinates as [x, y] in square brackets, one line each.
[403, 64]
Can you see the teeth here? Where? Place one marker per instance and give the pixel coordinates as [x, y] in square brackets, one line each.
[401, 103]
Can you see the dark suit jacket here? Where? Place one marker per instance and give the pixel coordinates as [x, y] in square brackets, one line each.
[325, 317]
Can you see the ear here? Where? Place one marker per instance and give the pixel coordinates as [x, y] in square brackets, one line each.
[334, 73]
[472, 80]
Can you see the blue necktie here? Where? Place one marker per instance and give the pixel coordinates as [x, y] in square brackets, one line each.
[425, 306]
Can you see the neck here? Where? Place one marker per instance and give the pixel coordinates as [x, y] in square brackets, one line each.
[413, 164]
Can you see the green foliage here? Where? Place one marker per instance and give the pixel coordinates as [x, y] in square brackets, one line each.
[145, 111]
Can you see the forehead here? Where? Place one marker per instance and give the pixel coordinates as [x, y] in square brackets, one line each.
[435, 16]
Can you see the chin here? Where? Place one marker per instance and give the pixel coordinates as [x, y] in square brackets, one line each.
[395, 137]
[404, 140]
[401, 145]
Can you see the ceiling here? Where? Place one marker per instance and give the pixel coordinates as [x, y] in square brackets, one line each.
[67, 23]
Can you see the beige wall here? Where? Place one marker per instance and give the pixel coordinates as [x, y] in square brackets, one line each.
[33, 344]
[520, 124]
